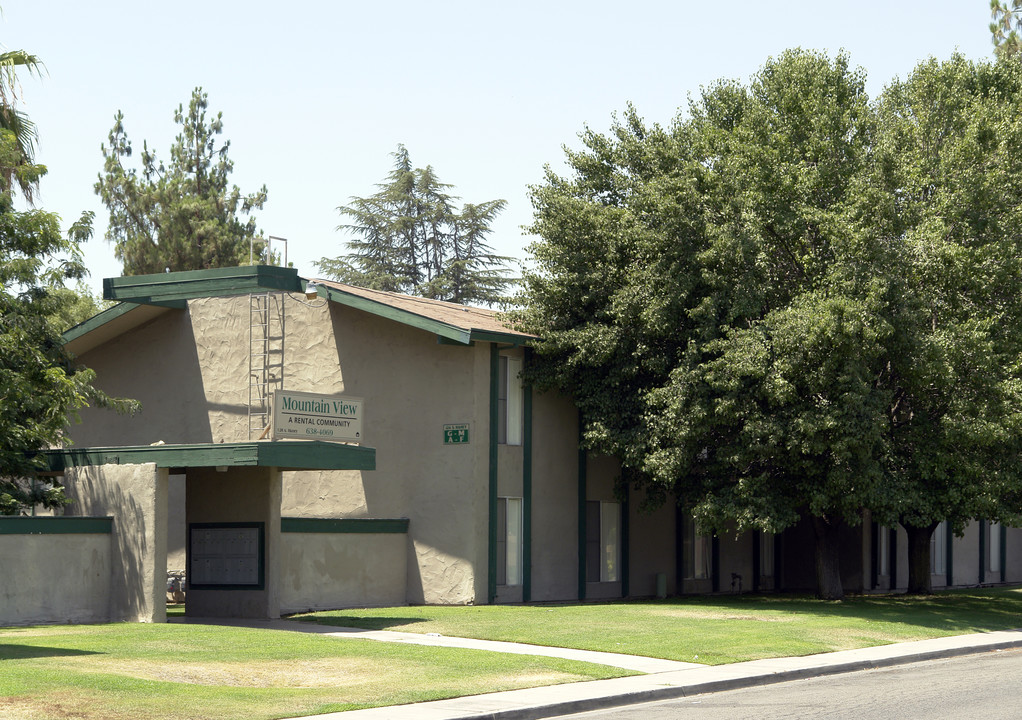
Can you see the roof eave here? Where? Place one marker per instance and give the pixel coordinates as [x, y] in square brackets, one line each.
[216, 282]
[285, 455]
[447, 333]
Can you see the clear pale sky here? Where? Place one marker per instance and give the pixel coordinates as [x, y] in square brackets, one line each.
[316, 95]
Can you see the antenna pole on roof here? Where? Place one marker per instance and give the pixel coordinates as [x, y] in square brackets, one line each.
[269, 248]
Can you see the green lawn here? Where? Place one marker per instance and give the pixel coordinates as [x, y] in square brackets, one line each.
[712, 630]
[177, 671]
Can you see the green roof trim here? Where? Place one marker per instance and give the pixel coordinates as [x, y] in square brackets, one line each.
[102, 318]
[173, 290]
[175, 286]
[55, 525]
[457, 335]
[344, 525]
[502, 338]
[110, 314]
[286, 455]
[446, 334]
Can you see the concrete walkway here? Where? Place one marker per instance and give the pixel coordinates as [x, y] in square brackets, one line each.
[663, 679]
[628, 662]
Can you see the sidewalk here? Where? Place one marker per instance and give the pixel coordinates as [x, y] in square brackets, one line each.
[664, 679]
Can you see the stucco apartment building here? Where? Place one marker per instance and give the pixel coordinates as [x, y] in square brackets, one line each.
[462, 486]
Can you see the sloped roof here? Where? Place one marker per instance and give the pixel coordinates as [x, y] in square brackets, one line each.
[457, 323]
[143, 297]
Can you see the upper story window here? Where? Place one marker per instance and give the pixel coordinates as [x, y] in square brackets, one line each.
[509, 401]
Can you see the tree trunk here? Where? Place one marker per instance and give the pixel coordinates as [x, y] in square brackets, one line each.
[828, 565]
[919, 558]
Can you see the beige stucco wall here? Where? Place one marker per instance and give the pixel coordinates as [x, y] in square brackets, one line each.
[1013, 555]
[412, 386]
[966, 561]
[158, 365]
[176, 523]
[190, 370]
[336, 570]
[54, 578]
[554, 498]
[651, 542]
[136, 497]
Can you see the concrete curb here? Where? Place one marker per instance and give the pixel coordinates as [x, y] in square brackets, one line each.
[712, 686]
[550, 701]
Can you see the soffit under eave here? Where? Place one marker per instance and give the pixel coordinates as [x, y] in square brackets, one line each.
[111, 323]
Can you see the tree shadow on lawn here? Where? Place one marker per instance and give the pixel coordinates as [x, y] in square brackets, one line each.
[356, 621]
[953, 610]
[31, 652]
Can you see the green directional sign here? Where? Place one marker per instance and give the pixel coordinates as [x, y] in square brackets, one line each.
[456, 434]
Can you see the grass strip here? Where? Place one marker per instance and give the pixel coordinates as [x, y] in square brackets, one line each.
[712, 630]
[178, 671]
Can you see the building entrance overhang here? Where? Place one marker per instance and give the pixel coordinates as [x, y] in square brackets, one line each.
[284, 455]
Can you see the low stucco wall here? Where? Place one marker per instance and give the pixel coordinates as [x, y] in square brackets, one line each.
[136, 497]
[54, 578]
[323, 571]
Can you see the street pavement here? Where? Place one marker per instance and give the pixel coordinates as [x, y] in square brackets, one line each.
[662, 679]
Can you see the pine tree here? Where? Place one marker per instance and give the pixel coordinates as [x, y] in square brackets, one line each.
[410, 237]
[181, 216]
[1004, 28]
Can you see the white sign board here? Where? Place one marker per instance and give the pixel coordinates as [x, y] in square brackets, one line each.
[316, 417]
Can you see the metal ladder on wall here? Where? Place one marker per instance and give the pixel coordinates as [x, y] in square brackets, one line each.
[265, 359]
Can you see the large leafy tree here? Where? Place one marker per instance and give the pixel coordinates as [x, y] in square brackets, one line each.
[946, 186]
[40, 384]
[76, 305]
[410, 237]
[183, 215]
[702, 295]
[785, 305]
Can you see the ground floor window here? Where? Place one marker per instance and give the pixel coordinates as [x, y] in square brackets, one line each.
[509, 541]
[698, 550]
[883, 550]
[994, 546]
[938, 550]
[603, 541]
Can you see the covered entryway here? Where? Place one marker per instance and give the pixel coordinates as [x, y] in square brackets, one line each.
[232, 517]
